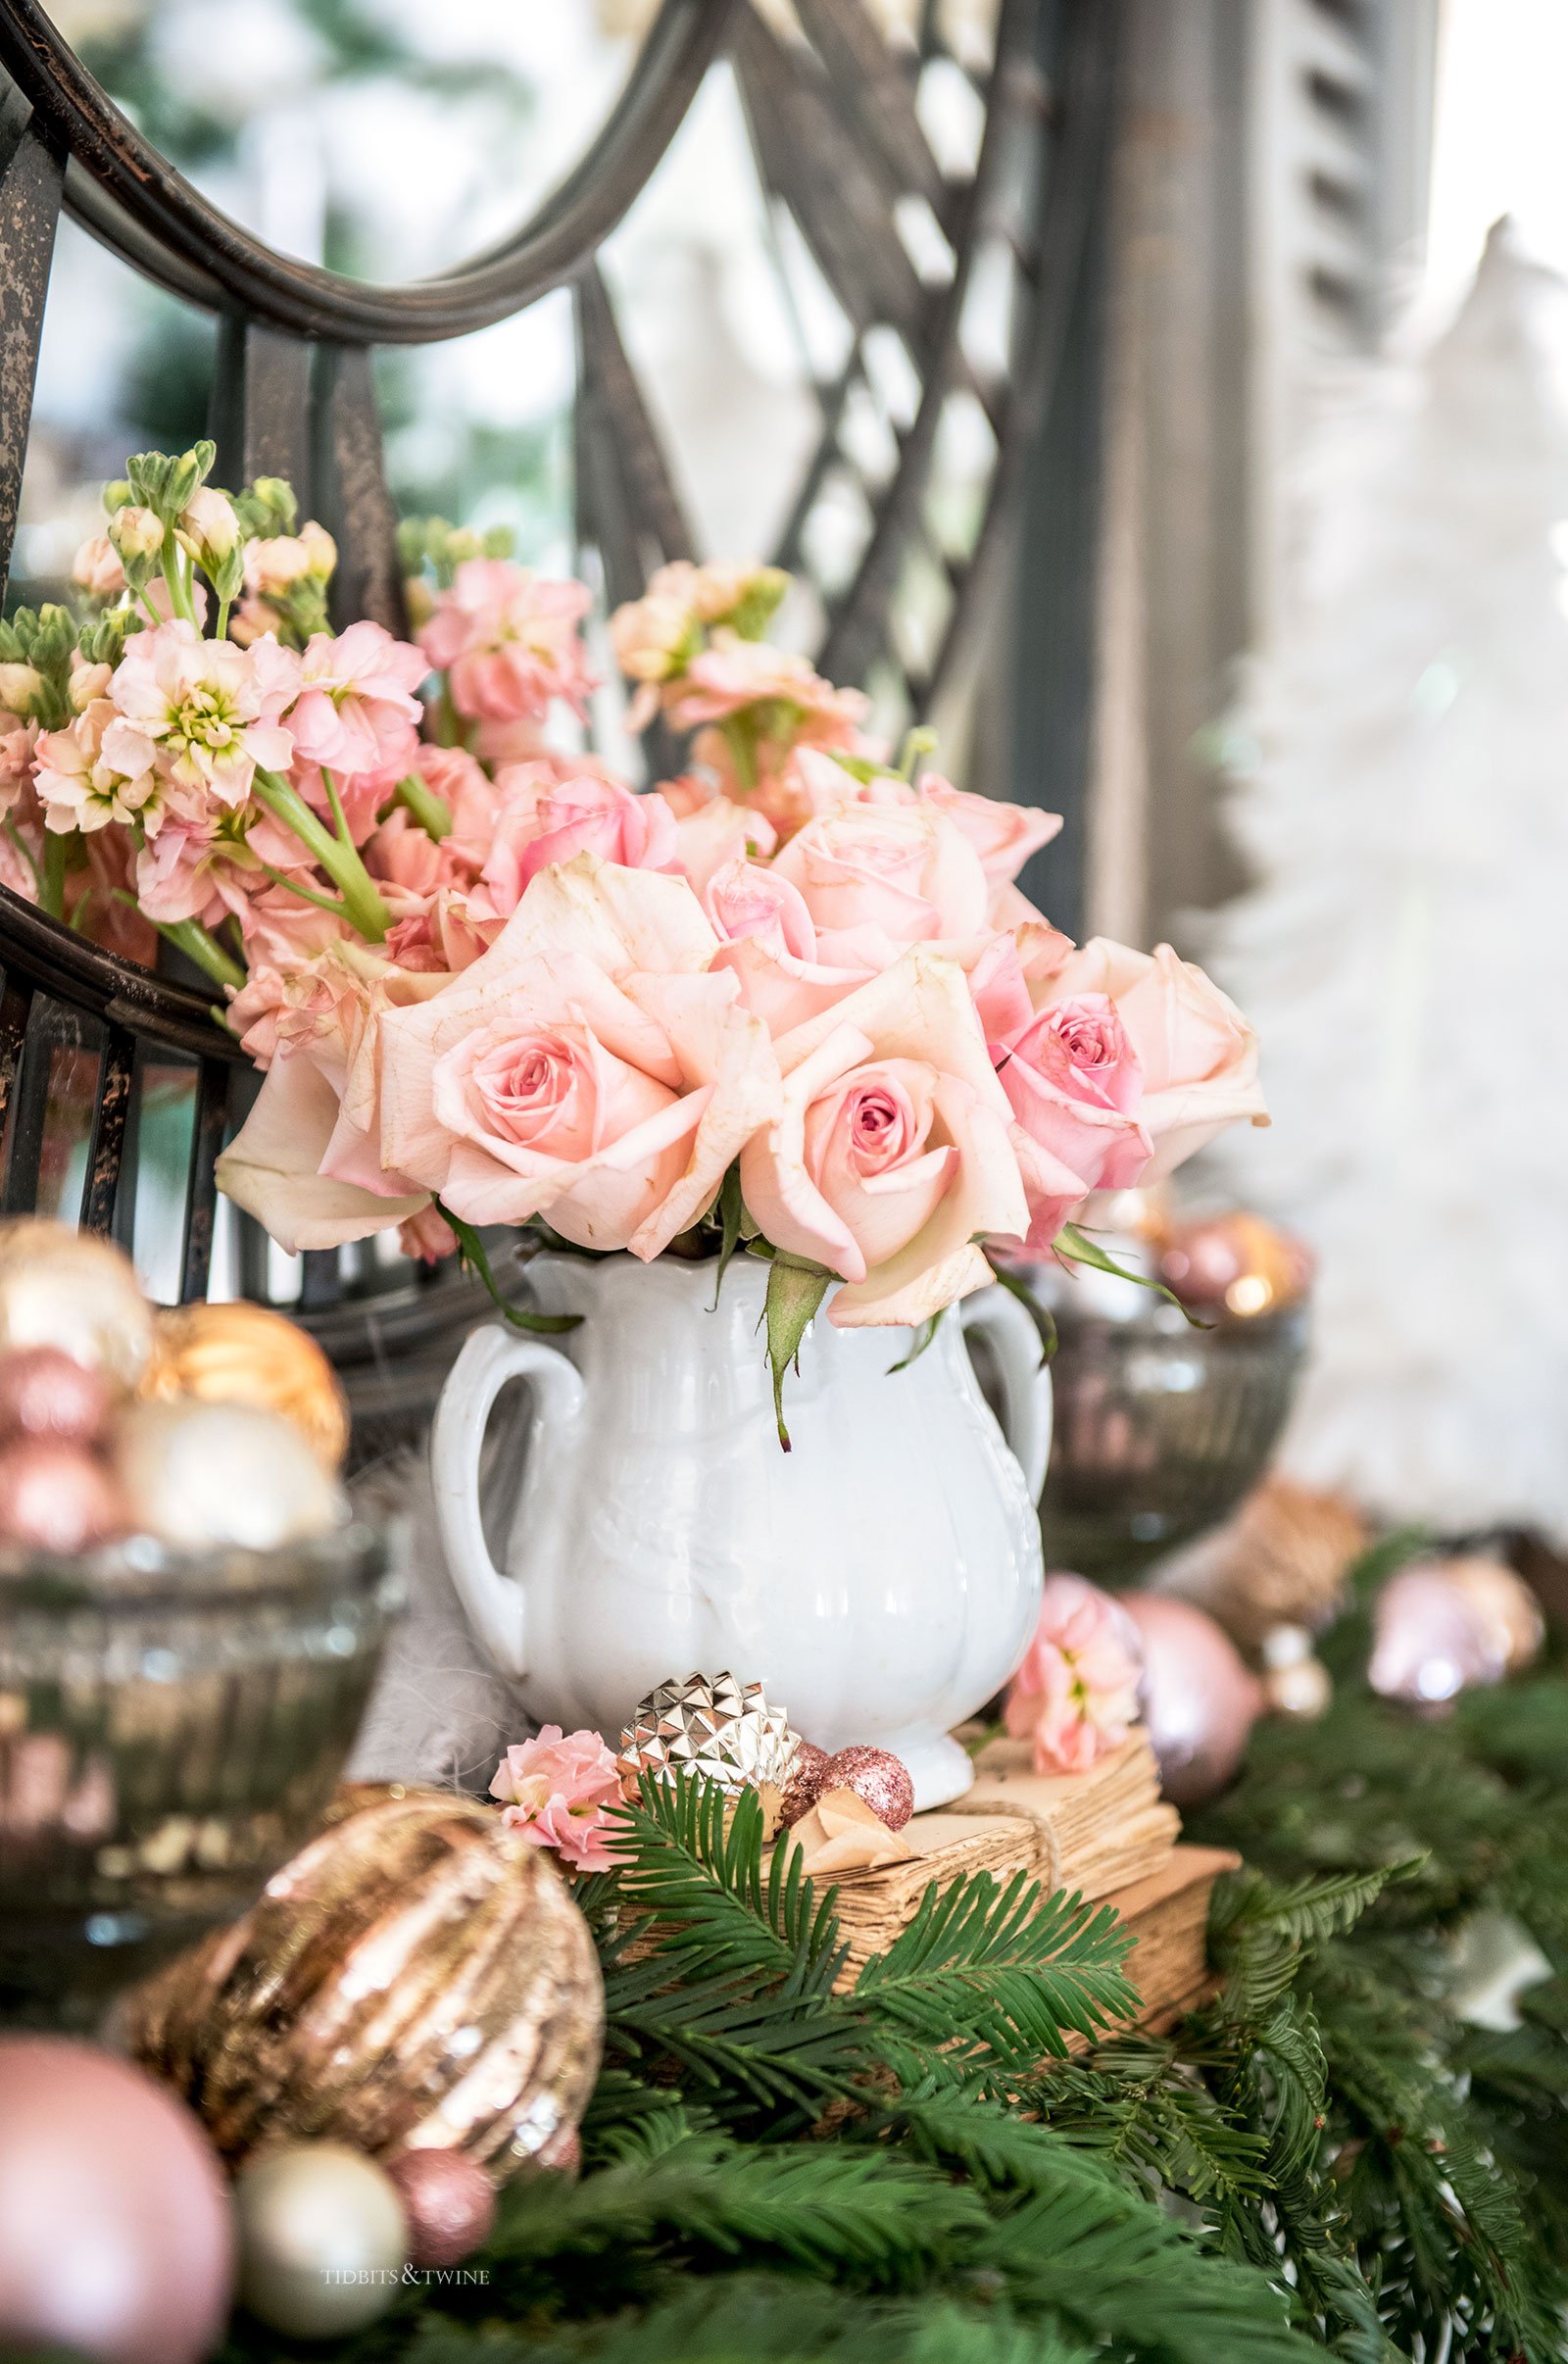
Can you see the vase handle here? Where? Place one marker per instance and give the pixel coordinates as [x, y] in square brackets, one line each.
[1025, 1379]
[494, 1602]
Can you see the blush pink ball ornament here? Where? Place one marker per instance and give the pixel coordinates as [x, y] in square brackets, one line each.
[450, 2203]
[1201, 1699]
[879, 1778]
[116, 2236]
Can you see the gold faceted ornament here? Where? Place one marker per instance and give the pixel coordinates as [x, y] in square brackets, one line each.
[66, 1289]
[241, 1354]
[417, 1978]
[1281, 1559]
[726, 1730]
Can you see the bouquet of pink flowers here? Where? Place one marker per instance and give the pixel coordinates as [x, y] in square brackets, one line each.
[791, 1000]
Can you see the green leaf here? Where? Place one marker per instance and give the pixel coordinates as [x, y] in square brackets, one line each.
[471, 1249]
[1074, 1247]
[733, 1218]
[795, 1291]
[1044, 1319]
[922, 1339]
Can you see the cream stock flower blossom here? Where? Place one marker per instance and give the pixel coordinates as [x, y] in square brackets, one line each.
[507, 642]
[79, 788]
[204, 712]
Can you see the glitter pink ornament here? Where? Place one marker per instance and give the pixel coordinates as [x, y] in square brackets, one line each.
[450, 2203]
[805, 1785]
[879, 1778]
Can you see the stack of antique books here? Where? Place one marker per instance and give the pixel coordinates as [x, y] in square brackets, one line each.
[1105, 1833]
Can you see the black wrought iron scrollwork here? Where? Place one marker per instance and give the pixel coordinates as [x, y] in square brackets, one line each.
[837, 133]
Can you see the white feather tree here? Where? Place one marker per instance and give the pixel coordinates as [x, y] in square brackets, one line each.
[1403, 801]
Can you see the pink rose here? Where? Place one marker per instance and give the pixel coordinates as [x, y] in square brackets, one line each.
[509, 643]
[769, 945]
[426, 1237]
[1002, 835]
[584, 1068]
[559, 1790]
[356, 709]
[1075, 1695]
[742, 898]
[889, 1157]
[1075, 1084]
[438, 931]
[545, 820]
[878, 876]
[1196, 1052]
[713, 832]
[306, 1162]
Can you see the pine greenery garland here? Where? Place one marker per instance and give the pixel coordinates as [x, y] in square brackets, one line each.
[1326, 2159]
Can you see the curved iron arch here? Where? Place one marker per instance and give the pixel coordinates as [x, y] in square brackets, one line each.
[132, 199]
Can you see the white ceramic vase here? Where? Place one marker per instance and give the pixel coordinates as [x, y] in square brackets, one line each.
[882, 1578]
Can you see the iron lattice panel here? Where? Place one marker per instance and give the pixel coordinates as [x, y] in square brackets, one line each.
[833, 114]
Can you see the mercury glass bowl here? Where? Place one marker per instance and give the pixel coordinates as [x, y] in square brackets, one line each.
[172, 1727]
[1160, 1427]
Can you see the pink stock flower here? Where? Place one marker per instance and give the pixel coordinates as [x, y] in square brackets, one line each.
[733, 675]
[96, 569]
[546, 819]
[356, 709]
[470, 795]
[558, 1789]
[79, 789]
[509, 643]
[439, 933]
[1075, 1696]
[204, 712]
[18, 741]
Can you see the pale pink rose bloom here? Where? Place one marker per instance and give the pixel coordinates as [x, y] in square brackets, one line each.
[714, 834]
[18, 742]
[769, 945]
[1197, 1052]
[920, 1011]
[881, 875]
[96, 569]
[202, 710]
[1075, 1086]
[545, 820]
[584, 1068]
[742, 898]
[557, 1790]
[426, 1237]
[307, 1160]
[79, 789]
[356, 709]
[1075, 1696]
[509, 643]
[1002, 835]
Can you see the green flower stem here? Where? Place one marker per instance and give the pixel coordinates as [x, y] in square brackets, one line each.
[362, 907]
[179, 598]
[739, 741]
[192, 939]
[322, 902]
[222, 631]
[427, 808]
[52, 885]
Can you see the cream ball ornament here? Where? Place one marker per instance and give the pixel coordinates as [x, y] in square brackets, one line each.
[66, 1289]
[198, 1475]
[323, 2240]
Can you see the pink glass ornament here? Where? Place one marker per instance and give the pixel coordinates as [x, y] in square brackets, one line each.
[116, 2236]
[1200, 1699]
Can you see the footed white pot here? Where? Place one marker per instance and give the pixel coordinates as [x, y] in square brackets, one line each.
[882, 1578]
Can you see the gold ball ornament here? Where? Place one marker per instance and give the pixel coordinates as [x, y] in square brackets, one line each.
[200, 1476]
[1295, 1681]
[417, 1978]
[323, 2240]
[241, 1353]
[725, 1730]
[66, 1289]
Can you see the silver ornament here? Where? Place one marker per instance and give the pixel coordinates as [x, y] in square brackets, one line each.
[197, 1475]
[713, 1725]
[323, 2240]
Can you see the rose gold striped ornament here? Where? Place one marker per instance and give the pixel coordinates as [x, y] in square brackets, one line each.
[417, 1978]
